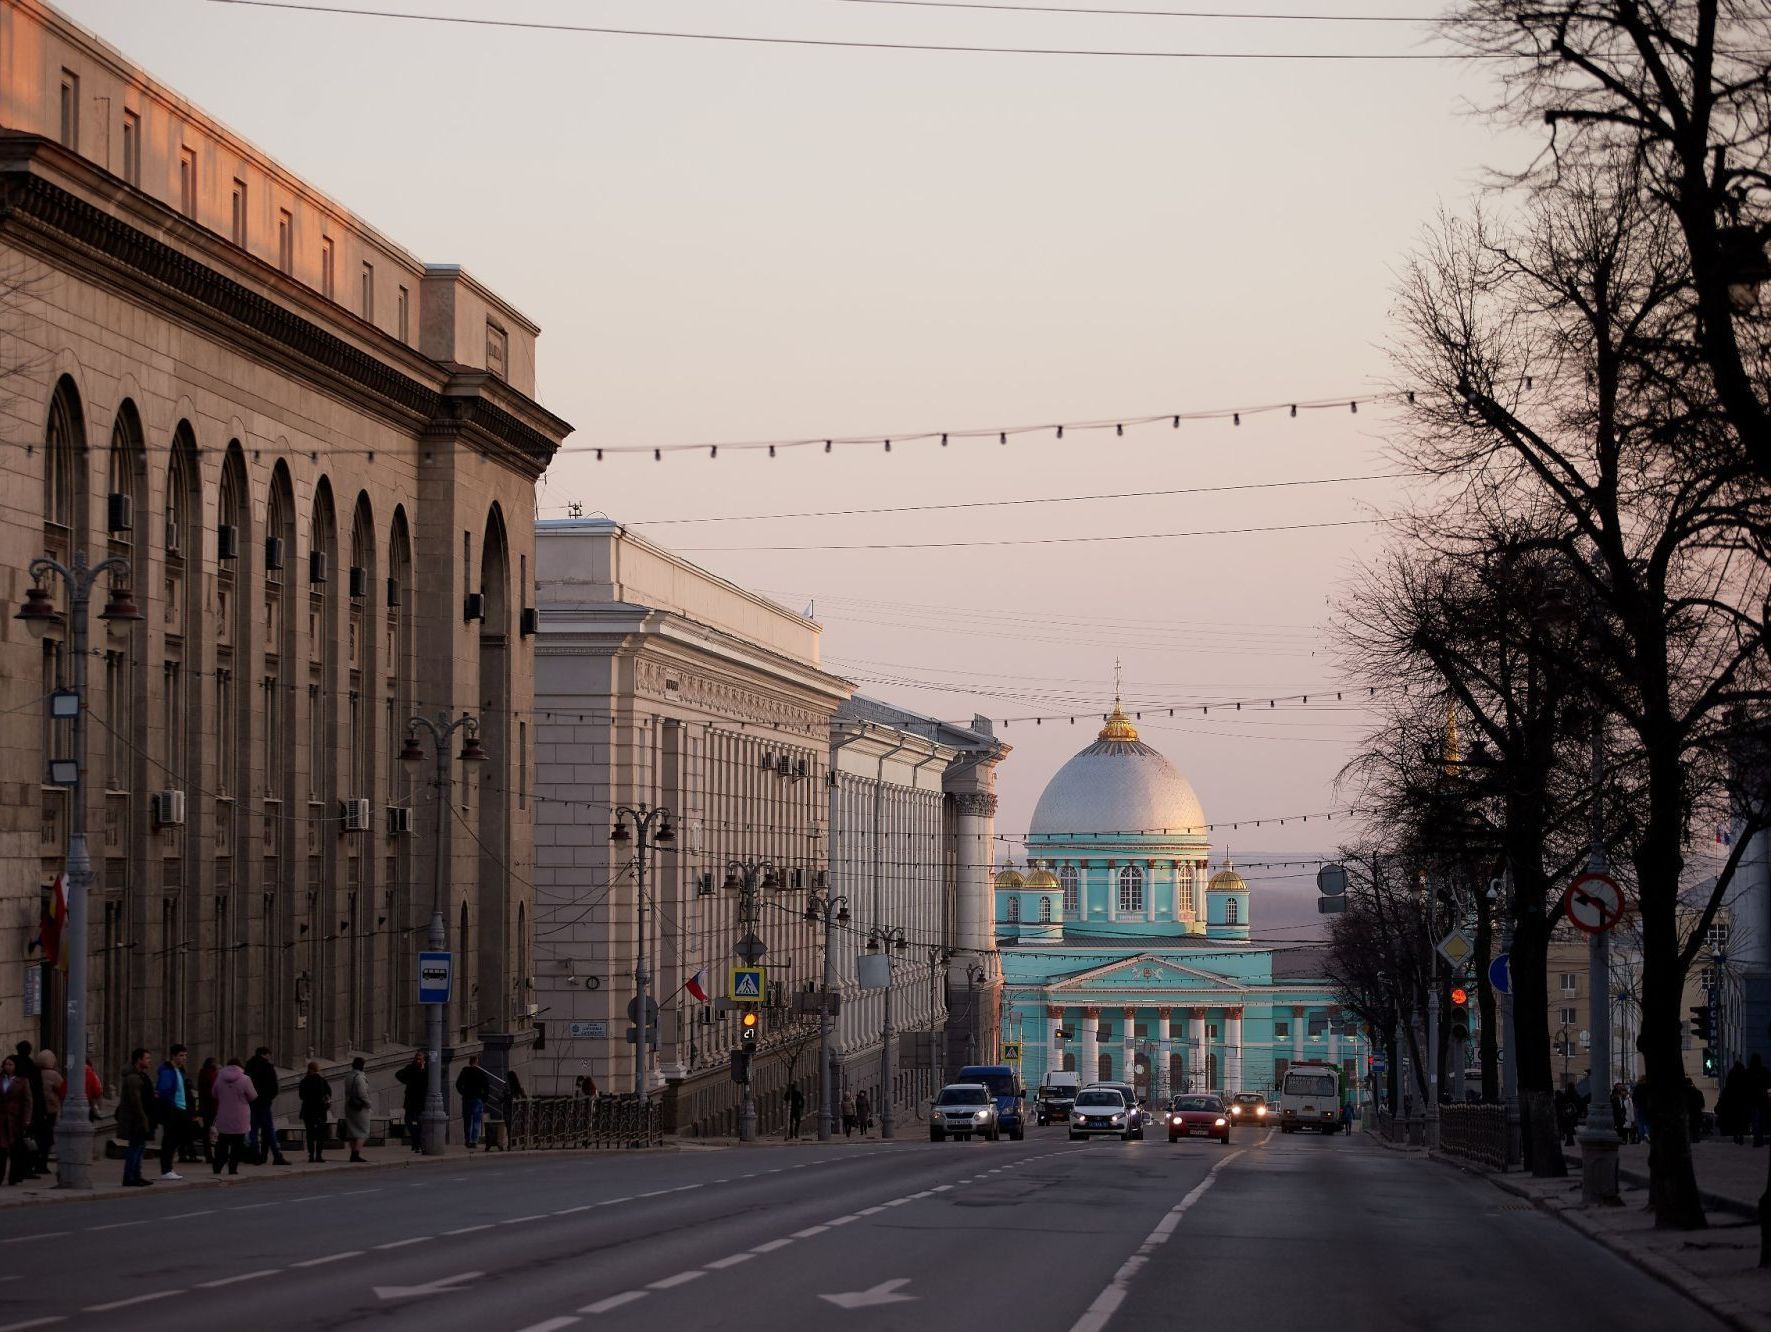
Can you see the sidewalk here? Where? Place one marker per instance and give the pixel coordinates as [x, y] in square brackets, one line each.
[1731, 1178]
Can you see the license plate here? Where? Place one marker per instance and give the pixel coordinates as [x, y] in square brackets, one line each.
[1200, 1132]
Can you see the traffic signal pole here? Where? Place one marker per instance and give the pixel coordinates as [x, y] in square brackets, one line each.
[1598, 1142]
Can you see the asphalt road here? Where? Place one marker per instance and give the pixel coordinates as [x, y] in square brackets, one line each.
[1039, 1235]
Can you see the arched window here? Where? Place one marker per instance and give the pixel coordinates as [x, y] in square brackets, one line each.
[1045, 911]
[1014, 908]
[1131, 889]
[1105, 1065]
[1230, 912]
[64, 464]
[1186, 905]
[1069, 1061]
[1072, 882]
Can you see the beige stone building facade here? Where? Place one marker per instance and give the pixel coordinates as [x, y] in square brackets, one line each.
[318, 455]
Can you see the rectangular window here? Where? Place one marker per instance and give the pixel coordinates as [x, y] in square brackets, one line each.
[1568, 982]
[116, 722]
[316, 743]
[173, 717]
[405, 315]
[132, 148]
[187, 181]
[497, 350]
[1281, 1031]
[240, 213]
[285, 240]
[70, 110]
[522, 765]
[369, 292]
[326, 267]
[273, 736]
[1569, 1017]
[224, 732]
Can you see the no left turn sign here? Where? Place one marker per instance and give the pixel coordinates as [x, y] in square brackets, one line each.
[1593, 903]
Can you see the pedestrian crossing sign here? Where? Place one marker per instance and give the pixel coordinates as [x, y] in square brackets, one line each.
[1011, 1051]
[747, 985]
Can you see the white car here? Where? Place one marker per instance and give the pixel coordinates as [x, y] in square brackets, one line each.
[962, 1109]
[1104, 1110]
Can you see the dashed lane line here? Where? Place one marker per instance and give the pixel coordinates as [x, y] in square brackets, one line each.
[330, 1258]
[809, 1231]
[772, 1245]
[551, 1325]
[236, 1280]
[731, 1260]
[47, 1234]
[468, 1230]
[680, 1279]
[400, 1244]
[615, 1301]
[151, 1296]
[519, 1220]
[34, 1322]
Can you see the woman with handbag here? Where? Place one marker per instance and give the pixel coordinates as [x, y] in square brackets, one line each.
[315, 1095]
[356, 1109]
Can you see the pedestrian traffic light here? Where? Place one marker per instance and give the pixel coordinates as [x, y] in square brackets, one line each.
[1709, 1062]
[747, 1033]
[1460, 1013]
[1700, 1022]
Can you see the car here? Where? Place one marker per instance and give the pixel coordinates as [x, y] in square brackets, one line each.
[1135, 1108]
[1248, 1108]
[1053, 1105]
[1103, 1110]
[963, 1109]
[1198, 1117]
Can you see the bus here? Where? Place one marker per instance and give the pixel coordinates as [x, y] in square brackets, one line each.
[1310, 1097]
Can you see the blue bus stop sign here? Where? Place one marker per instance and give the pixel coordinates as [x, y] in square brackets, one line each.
[434, 973]
[1500, 974]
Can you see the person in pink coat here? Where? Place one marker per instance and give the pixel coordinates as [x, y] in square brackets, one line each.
[234, 1095]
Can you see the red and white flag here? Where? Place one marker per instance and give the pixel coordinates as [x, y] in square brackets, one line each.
[697, 986]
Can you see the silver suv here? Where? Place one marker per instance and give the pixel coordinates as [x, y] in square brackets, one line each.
[962, 1109]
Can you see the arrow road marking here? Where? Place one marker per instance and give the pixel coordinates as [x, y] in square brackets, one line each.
[886, 1292]
[441, 1286]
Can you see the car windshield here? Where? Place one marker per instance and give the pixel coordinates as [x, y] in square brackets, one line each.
[1111, 1098]
[1309, 1084]
[964, 1096]
[1000, 1084]
[1250, 1098]
[1196, 1103]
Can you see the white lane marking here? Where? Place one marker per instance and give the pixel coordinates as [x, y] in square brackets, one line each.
[772, 1245]
[1096, 1316]
[842, 1220]
[680, 1279]
[896, 1202]
[809, 1231]
[468, 1230]
[330, 1258]
[551, 1325]
[356, 1193]
[614, 1301]
[518, 1220]
[47, 1234]
[610, 1202]
[186, 1216]
[940, 1188]
[732, 1260]
[583, 1207]
[115, 1225]
[34, 1322]
[400, 1244]
[870, 1211]
[235, 1280]
[133, 1299]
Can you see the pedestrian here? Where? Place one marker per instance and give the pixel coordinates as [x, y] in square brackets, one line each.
[1620, 1111]
[796, 1107]
[95, 1090]
[234, 1098]
[16, 1114]
[315, 1096]
[473, 1087]
[1567, 1114]
[1639, 1103]
[135, 1116]
[1758, 1083]
[1731, 1104]
[27, 1069]
[1694, 1110]
[174, 1101]
[863, 1112]
[263, 1143]
[587, 1086]
[848, 1115]
[206, 1105]
[415, 1078]
[356, 1110]
[54, 1088]
[1347, 1114]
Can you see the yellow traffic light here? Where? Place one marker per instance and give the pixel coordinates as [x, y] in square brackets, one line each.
[747, 1035]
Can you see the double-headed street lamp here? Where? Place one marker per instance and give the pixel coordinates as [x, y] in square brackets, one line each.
[833, 910]
[642, 819]
[73, 1127]
[433, 1124]
[891, 940]
[746, 877]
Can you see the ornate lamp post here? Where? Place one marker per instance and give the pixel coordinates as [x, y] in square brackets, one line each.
[892, 940]
[73, 1127]
[745, 877]
[433, 1124]
[833, 910]
[642, 819]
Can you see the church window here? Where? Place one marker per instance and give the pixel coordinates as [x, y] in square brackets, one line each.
[1230, 912]
[1045, 911]
[1281, 1030]
[1131, 889]
[1184, 900]
[1072, 882]
[1014, 908]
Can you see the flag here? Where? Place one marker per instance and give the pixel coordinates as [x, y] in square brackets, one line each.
[1724, 834]
[697, 986]
[52, 926]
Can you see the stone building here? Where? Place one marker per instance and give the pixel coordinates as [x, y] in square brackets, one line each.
[318, 455]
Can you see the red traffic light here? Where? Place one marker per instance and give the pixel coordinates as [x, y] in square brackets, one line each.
[1460, 995]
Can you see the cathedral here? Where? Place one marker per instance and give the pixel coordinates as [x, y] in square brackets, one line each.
[1126, 958]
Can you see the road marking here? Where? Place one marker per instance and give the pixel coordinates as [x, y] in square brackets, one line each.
[870, 1211]
[448, 1285]
[680, 1279]
[551, 1325]
[842, 1220]
[356, 1193]
[886, 1292]
[614, 1301]
[610, 1202]
[518, 1220]
[34, 1322]
[400, 1244]
[235, 1280]
[732, 1261]
[47, 1234]
[133, 1299]
[809, 1231]
[468, 1230]
[583, 1207]
[115, 1225]
[772, 1245]
[940, 1188]
[330, 1258]
[186, 1216]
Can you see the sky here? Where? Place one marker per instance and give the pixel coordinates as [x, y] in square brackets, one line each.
[728, 242]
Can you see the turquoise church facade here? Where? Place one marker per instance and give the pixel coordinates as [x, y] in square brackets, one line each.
[1126, 958]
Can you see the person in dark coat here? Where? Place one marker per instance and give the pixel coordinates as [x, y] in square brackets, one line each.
[16, 1113]
[796, 1108]
[33, 1076]
[262, 1142]
[135, 1117]
[1694, 1109]
[863, 1113]
[315, 1095]
[1731, 1104]
[1758, 1084]
[474, 1088]
[206, 1103]
[415, 1078]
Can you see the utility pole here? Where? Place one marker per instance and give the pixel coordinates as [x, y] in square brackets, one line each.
[744, 877]
[1598, 1141]
[891, 940]
[642, 819]
[974, 976]
[833, 910]
[73, 1126]
[1509, 1064]
[433, 1124]
[1431, 1055]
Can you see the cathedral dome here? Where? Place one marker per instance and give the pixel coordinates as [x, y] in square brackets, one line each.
[1227, 880]
[1009, 879]
[1118, 784]
[1042, 880]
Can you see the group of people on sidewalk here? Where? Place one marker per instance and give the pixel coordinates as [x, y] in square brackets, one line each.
[1742, 1107]
[32, 1089]
[476, 1089]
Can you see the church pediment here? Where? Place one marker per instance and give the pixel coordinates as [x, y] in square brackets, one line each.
[1147, 971]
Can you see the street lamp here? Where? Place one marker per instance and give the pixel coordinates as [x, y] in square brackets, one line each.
[433, 1124]
[892, 940]
[833, 910]
[745, 877]
[1745, 266]
[73, 1127]
[975, 972]
[642, 819]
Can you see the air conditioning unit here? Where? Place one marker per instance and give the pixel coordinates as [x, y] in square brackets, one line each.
[530, 622]
[227, 542]
[393, 592]
[316, 566]
[359, 581]
[399, 820]
[273, 552]
[172, 536]
[167, 809]
[475, 606]
[356, 815]
[118, 512]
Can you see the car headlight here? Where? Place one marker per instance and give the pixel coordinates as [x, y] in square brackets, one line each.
[1222, 1121]
[1076, 1118]
[1174, 1119]
[1235, 1109]
[1118, 1119]
[982, 1115]
[1261, 1112]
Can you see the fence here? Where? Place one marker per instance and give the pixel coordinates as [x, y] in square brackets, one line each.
[1475, 1132]
[596, 1123]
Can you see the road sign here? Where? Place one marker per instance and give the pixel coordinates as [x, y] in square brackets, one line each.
[750, 949]
[1329, 906]
[1380, 1065]
[587, 1031]
[435, 971]
[1331, 880]
[633, 1010]
[1593, 903]
[748, 984]
[1011, 1051]
[1456, 948]
[1500, 974]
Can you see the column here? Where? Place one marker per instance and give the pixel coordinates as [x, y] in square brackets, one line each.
[1196, 1049]
[1163, 1054]
[1112, 890]
[1297, 1033]
[1087, 1062]
[1128, 1059]
[1054, 1023]
[1334, 1036]
[975, 943]
[1232, 1050]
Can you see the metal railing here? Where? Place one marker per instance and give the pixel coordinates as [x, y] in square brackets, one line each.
[599, 1123]
[1475, 1132]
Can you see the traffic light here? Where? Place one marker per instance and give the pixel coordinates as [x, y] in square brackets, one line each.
[1700, 1023]
[1709, 1062]
[1460, 1014]
[747, 1033]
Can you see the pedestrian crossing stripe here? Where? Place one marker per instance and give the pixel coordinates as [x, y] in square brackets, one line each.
[747, 984]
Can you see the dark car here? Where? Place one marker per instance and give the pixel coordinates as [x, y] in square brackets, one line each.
[1249, 1108]
[1198, 1117]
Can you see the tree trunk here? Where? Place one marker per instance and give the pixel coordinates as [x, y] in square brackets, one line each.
[1531, 1033]
[1488, 1039]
